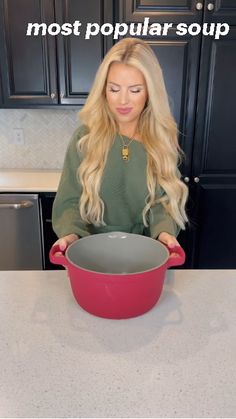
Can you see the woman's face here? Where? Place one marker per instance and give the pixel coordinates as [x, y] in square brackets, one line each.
[126, 93]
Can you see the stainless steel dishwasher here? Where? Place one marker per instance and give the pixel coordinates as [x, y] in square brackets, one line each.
[20, 232]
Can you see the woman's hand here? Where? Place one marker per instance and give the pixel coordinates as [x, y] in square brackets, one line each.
[64, 242]
[169, 241]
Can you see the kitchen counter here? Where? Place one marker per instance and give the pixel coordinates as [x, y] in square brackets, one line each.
[177, 360]
[16, 180]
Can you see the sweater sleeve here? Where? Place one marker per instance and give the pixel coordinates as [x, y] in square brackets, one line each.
[160, 221]
[66, 217]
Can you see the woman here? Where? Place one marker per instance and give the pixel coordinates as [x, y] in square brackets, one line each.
[120, 172]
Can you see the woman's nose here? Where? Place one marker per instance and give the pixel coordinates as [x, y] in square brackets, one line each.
[124, 97]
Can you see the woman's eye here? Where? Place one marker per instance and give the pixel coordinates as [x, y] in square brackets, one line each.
[116, 91]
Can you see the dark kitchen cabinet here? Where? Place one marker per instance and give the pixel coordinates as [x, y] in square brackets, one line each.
[214, 156]
[47, 70]
[48, 235]
[28, 63]
[199, 73]
[159, 11]
[79, 58]
[178, 11]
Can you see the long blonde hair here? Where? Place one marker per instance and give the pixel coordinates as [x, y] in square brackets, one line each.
[156, 126]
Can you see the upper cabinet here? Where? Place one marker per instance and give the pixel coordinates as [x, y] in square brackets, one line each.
[49, 69]
[28, 63]
[160, 11]
[178, 11]
[79, 58]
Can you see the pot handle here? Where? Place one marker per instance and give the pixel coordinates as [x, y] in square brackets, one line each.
[178, 260]
[56, 256]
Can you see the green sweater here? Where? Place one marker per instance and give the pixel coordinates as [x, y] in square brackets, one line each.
[123, 191]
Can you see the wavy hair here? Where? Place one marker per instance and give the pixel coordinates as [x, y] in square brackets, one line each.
[156, 126]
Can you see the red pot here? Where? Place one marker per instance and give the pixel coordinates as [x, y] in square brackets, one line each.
[117, 275]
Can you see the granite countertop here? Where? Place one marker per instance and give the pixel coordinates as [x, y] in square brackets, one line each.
[29, 180]
[177, 360]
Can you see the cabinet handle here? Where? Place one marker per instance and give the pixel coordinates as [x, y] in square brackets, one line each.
[196, 179]
[199, 6]
[53, 95]
[210, 6]
[17, 205]
[62, 95]
[186, 179]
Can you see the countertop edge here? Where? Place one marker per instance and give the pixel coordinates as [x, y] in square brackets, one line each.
[29, 180]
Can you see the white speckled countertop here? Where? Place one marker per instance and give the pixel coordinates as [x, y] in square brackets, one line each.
[29, 180]
[177, 360]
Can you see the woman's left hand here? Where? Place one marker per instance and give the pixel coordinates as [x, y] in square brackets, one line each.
[169, 241]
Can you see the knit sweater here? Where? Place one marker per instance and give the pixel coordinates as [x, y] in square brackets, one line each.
[123, 191]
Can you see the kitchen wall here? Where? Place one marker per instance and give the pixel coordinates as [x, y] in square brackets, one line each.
[46, 136]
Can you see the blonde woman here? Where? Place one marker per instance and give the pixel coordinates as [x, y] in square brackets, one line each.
[121, 168]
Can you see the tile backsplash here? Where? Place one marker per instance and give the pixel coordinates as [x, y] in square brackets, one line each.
[47, 133]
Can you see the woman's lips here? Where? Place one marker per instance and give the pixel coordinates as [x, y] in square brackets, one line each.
[124, 111]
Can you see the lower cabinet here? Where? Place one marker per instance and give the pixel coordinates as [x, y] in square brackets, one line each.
[48, 235]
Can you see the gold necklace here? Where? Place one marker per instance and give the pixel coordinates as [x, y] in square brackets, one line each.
[125, 148]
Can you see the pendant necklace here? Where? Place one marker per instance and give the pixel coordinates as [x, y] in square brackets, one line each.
[125, 148]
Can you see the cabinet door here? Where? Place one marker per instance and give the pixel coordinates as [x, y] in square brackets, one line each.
[28, 63]
[160, 11]
[221, 11]
[214, 158]
[179, 60]
[48, 235]
[79, 58]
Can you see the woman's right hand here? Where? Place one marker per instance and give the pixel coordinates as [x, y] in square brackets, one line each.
[64, 242]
